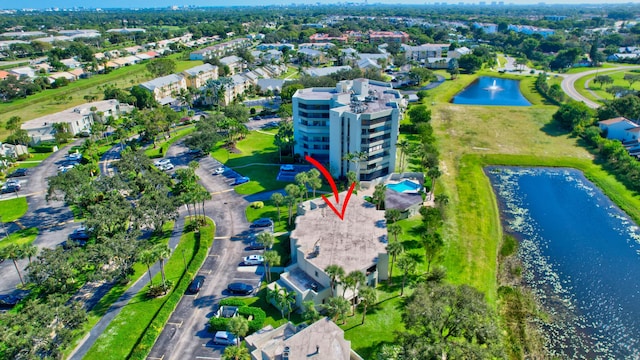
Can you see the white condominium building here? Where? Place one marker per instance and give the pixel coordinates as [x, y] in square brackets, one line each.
[356, 118]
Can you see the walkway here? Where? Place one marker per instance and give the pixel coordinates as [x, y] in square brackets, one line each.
[87, 342]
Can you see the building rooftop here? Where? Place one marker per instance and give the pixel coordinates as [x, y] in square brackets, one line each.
[201, 68]
[229, 60]
[353, 243]
[320, 340]
[614, 120]
[70, 114]
[324, 71]
[161, 81]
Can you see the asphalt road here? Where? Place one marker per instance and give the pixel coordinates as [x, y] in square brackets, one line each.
[53, 219]
[185, 335]
[569, 83]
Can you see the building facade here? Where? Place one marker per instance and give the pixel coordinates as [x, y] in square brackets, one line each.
[197, 76]
[164, 88]
[357, 118]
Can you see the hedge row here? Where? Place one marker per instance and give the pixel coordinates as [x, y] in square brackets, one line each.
[232, 302]
[148, 338]
[257, 315]
[44, 147]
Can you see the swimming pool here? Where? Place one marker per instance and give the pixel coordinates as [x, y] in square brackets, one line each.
[404, 186]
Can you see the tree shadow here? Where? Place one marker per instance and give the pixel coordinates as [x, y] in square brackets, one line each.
[552, 128]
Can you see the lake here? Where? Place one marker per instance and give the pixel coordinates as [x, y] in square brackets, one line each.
[492, 91]
[581, 258]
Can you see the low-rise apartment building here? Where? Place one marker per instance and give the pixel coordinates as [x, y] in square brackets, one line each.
[164, 88]
[198, 76]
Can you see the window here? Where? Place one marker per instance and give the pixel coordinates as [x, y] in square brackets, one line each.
[316, 273]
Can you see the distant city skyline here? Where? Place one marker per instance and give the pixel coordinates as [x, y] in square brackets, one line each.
[47, 4]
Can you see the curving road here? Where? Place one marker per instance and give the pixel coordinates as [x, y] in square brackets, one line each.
[569, 83]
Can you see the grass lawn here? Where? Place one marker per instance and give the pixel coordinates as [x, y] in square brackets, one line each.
[270, 211]
[38, 156]
[20, 237]
[162, 146]
[263, 178]
[381, 322]
[472, 230]
[13, 209]
[26, 165]
[122, 334]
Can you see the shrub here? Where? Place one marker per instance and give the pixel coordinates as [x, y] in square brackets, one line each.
[257, 204]
[218, 324]
[44, 147]
[258, 317]
[232, 302]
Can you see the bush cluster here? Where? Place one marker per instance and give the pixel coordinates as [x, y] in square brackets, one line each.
[256, 315]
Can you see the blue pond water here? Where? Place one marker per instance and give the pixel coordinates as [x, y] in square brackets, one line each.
[404, 186]
[481, 92]
[581, 258]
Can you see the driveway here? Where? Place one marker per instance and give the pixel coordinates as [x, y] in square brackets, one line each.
[53, 219]
[185, 335]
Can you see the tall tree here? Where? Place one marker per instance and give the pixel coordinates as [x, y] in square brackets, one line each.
[309, 311]
[392, 215]
[353, 281]
[449, 321]
[238, 326]
[335, 273]
[337, 308]
[277, 200]
[293, 194]
[284, 138]
[14, 253]
[394, 249]
[28, 251]
[368, 296]
[379, 196]
[314, 180]
[403, 145]
[433, 245]
[394, 230]
[271, 258]
[236, 352]
[163, 252]
[408, 265]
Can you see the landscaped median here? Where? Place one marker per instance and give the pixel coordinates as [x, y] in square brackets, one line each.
[13, 209]
[133, 332]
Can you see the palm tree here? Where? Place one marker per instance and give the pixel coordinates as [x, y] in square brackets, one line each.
[293, 193]
[265, 238]
[408, 265]
[29, 251]
[433, 173]
[270, 258]
[236, 353]
[379, 195]
[394, 249]
[403, 145]
[335, 272]
[310, 312]
[286, 299]
[277, 199]
[352, 281]
[314, 180]
[394, 230]
[356, 158]
[337, 307]
[368, 296]
[392, 215]
[148, 257]
[163, 252]
[14, 253]
[301, 180]
[238, 326]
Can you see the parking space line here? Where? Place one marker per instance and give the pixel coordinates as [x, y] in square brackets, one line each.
[207, 357]
[155, 358]
[222, 237]
[221, 192]
[179, 325]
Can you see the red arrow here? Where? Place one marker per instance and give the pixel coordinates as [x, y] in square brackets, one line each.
[333, 187]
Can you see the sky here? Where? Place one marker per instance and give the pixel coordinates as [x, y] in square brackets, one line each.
[43, 4]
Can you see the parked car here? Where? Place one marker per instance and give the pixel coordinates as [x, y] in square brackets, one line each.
[262, 222]
[8, 301]
[287, 167]
[69, 244]
[253, 260]
[162, 162]
[196, 153]
[240, 288]
[166, 167]
[18, 173]
[241, 180]
[65, 168]
[79, 234]
[74, 156]
[255, 245]
[224, 338]
[219, 170]
[10, 188]
[196, 284]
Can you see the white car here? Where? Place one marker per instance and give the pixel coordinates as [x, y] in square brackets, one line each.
[74, 156]
[219, 170]
[166, 167]
[253, 260]
[162, 162]
[65, 168]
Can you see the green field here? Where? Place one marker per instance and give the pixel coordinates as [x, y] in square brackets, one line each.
[19, 237]
[13, 209]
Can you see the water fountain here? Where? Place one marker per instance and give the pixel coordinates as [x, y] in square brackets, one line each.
[493, 87]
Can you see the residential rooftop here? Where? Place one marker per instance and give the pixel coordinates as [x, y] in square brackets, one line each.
[161, 81]
[201, 68]
[70, 114]
[354, 243]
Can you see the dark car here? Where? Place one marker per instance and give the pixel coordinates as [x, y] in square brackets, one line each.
[254, 245]
[196, 153]
[70, 244]
[10, 188]
[240, 180]
[8, 301]
[79, 234]
[240, 288]
[262, 222]
[196, 284]
[18, 173]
